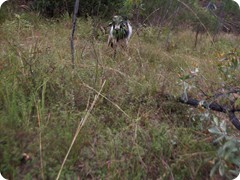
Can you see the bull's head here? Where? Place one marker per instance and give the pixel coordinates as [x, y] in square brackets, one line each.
[120, 27]
[117, 22]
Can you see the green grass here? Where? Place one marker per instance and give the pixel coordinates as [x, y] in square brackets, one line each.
[133, 132]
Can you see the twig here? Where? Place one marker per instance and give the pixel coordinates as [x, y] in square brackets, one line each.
[117, 106]
[234, 91]
[150, 15]
[80, 125]
[190, 155]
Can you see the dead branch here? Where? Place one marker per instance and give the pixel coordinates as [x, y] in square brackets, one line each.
[215, 107]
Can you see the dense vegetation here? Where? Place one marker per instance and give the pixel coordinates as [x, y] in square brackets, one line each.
[132, 125]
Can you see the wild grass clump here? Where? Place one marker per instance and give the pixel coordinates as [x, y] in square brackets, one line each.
[135, 130]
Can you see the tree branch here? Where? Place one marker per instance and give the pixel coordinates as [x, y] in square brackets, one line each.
[215, 107]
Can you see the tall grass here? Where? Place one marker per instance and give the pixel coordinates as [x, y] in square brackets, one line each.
[133, 131]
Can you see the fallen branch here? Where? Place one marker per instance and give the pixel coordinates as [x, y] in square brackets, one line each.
[215, 107]
[234, 120]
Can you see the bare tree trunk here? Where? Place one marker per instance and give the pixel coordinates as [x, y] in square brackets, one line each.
[196, 38]
[74, 19]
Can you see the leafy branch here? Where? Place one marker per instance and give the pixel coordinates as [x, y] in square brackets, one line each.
[215, 107]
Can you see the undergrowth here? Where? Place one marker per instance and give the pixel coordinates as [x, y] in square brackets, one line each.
[134, 130]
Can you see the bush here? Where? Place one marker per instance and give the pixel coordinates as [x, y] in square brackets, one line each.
[55, 8]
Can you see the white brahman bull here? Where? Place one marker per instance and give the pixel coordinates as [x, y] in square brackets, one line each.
[120, 32]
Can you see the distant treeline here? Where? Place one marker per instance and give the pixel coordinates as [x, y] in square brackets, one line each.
[213, 13]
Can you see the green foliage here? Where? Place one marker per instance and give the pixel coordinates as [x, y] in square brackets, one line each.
[3, 13]
[133, 132]
[57, 8]
[52, 8]
[204, 21]
[229, 66]
[228, 151]
[231, 7]
[226, 162]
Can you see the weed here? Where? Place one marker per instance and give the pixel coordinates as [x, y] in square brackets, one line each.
[132, 132]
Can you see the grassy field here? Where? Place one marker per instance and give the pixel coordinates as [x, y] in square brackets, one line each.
[132, 130]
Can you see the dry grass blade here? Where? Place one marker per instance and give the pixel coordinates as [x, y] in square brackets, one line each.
[40, 141]
[117, 106]
[80, 125]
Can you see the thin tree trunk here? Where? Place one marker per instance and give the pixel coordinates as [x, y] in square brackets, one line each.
[74, 19]
[196, 38]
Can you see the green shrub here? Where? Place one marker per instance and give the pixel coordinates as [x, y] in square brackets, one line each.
[55, 8]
